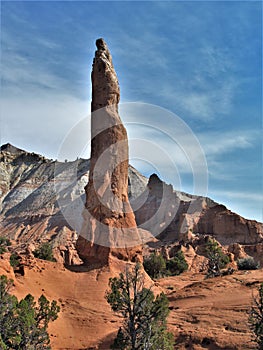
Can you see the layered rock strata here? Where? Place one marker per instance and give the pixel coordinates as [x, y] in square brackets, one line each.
[109, 227]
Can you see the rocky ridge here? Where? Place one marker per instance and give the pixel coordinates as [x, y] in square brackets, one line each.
[42, 200]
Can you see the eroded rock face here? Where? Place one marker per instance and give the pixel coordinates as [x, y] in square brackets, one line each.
[178, 216]
[109, 227]
[228, 227]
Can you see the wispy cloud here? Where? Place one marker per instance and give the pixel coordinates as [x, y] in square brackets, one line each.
[246, 204]
[257, 197]
[219, 143]
[38, 106]
[208, 104]
[19, 72]
[224, 151]
[204, 88]
[22, 69]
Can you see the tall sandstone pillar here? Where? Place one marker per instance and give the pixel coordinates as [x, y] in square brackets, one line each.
[109, 228]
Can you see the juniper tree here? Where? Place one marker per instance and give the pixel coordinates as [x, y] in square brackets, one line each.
[217, 260]
[23, 325]
[144, 315]
[256, 318]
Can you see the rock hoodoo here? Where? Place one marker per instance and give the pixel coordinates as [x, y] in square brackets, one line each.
[109, 227]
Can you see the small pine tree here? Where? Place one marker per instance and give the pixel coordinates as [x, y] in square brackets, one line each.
[144, 316]
[44, 252]
[256, 318]
[23, 325]
[217, 260]
[8, 304]
[14, 260]
[155, 265]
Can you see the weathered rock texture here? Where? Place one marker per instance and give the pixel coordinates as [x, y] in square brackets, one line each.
[42, 200]
[109, 227]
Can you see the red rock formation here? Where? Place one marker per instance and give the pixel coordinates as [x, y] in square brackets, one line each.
[228, 227]
[183, 215]
[109, 227]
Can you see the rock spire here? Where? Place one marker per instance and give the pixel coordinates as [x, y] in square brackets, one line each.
[109, 227]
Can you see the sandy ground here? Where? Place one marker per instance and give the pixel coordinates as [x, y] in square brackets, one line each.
[205, 313]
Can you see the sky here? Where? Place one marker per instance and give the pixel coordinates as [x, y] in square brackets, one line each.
[190, 74]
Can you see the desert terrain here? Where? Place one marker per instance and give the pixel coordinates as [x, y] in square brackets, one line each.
[204, 313]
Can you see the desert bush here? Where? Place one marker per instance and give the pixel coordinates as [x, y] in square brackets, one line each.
[4, 242]
[177, 264]
[155, 265]
[23, 324]
[247, 264]
[44, 252]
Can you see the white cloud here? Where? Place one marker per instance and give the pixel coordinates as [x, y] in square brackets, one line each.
[219, 146]
[40, 123]
[246, 204]
[257, 197]
[25, 74]
[219, 143]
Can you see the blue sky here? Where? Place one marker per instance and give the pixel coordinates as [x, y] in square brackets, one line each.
[201, 61]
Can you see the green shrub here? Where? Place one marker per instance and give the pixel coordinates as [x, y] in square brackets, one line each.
[177, 264]
[44, 252]
[4, 242]
[155, 265]
[14, 260]
[247, 264]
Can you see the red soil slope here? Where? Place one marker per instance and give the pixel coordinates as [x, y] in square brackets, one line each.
[205, 314]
